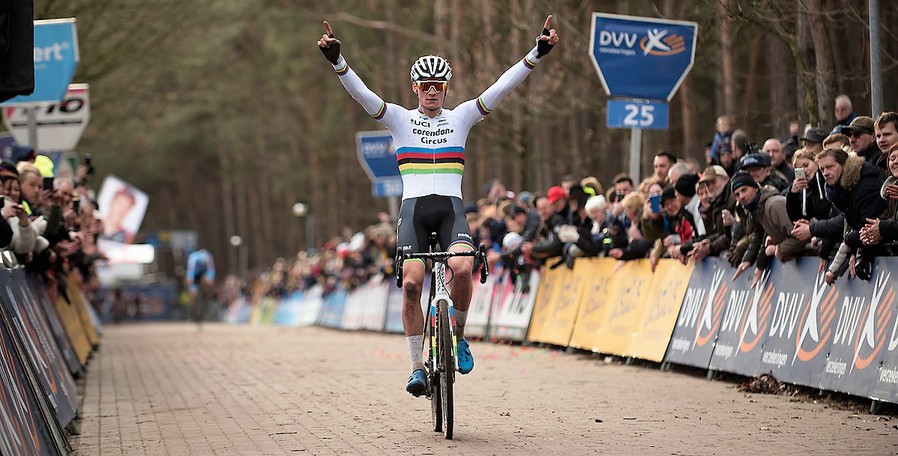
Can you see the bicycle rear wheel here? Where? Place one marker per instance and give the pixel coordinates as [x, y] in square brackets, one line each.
[446, 364]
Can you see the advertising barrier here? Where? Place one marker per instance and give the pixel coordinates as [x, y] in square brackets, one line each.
[558, 303]
[593, 306]
[789, 322]
[43, 353]
[516, 308]
[661, 304]
[36, 285]
[24, 431]
[39, 397]
[692, 343]
[483, 296]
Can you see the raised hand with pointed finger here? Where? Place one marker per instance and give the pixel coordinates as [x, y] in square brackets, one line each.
[329, 45]
[547, 40]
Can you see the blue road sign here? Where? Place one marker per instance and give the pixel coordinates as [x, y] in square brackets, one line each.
[645, 114]
[378, 157]
[641, 57]
[55, 60]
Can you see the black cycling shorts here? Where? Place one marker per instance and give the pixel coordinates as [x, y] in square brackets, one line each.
[444, 215]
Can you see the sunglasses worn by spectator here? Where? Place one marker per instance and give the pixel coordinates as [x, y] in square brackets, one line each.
[425, 86]
[856, 134]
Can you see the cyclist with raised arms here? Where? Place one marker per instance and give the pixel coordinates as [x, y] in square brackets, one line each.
[430, 149]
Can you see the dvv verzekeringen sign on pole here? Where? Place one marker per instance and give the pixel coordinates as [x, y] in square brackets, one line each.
[642, 61]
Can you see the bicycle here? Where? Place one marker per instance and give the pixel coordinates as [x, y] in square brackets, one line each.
[198, 305]
[439, 329]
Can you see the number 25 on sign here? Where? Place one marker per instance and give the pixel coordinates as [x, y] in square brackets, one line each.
[637, 114]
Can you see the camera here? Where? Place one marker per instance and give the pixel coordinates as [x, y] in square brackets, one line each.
[90, 166]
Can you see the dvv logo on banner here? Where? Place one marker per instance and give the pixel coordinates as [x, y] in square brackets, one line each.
[641, 57]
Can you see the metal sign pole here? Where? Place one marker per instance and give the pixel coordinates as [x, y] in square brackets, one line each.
[32, 126]
[635, 154]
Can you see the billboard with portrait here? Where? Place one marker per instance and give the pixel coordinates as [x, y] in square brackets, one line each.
[122, 207]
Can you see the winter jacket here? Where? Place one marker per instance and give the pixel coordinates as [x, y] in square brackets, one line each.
[856, 195]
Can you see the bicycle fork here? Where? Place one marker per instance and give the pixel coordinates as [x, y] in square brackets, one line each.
[441, 293]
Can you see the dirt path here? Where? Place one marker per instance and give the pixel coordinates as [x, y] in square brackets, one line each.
[166, 389]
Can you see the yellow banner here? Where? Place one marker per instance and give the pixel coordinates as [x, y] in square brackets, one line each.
[593, 304]
[68, 313]
[75, 295]
[661, 306]
[553, 320]
[630, 281]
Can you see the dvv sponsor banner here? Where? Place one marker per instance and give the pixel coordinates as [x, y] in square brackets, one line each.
[746, 314]
[797, 323]
[863, 317]
[700, 315]
[885, 385]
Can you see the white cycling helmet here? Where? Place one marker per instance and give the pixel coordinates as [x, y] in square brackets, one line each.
[431, 67]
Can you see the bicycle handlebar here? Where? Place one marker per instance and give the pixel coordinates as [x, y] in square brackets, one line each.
[479, 256]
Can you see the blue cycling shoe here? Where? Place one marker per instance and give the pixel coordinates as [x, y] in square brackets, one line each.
[465, 358]
[417, 383]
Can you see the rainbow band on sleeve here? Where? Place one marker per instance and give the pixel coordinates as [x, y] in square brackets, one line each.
[482, 107]
[380, 112]
[530, 64]
[341, 70]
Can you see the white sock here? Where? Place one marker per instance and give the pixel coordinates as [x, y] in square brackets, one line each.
[416, 350]
[460, 318]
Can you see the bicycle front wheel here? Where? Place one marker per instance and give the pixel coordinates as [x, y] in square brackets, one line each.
[446, 363]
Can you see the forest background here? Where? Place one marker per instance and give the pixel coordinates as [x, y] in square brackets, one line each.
[226, 114]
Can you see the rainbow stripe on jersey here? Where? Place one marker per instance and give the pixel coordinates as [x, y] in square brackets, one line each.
[443, 160]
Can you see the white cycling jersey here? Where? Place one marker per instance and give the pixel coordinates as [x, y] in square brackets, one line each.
[431, 151]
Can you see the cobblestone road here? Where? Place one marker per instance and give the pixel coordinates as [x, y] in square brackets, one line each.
[166, 389]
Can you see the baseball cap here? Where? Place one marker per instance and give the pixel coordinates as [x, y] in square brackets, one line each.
[713, 172]
[860, 123]
[556, 193]
[755, 159]
[816, 135]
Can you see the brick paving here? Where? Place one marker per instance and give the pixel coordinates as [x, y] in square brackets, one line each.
[166, 389]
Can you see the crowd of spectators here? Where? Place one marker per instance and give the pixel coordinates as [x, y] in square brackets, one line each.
[48, 221]
[826, 193]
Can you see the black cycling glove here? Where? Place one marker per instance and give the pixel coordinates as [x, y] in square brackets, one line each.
[332, 52]
[543, 47]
